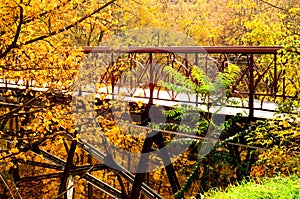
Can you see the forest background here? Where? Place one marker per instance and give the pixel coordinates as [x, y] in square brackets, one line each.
[35, 37]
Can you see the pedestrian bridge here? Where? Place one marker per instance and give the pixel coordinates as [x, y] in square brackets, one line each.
[138, 72]
[262, 81]
[135, 75]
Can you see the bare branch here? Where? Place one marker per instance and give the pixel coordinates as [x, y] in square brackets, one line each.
[277, 7]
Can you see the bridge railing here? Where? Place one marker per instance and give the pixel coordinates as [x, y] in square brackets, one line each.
[138, 71]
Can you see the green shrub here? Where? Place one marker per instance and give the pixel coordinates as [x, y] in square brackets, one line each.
[278, 187]
[281, 137]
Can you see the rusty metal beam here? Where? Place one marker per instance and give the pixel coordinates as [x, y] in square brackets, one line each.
[164, 154]
[129, 177]
[188, 49]
[68, 166]
[88, 177]
[91, 179]
[142, 166]
[251, 88]
[40, 164]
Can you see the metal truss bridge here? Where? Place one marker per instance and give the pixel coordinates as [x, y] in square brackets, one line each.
[136, 74]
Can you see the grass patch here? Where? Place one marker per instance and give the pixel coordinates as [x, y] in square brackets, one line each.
[263, 188]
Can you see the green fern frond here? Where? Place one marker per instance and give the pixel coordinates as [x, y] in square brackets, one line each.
[200, 75]
[177, 88]
[180, 79]
[230, 74]
[181, 141]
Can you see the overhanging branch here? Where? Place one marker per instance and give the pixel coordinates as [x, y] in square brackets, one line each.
[277, 7]
[16, 37]
[71, 25]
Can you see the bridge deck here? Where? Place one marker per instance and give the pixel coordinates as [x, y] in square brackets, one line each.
[262, 109]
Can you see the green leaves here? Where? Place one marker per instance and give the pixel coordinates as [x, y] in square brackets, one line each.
[211, 91]
[280, 137]
[182, 83]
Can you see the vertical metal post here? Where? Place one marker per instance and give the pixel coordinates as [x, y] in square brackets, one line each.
[251, 88]
[172, 78]
[17, 123]
[131, 75]
[196, 59]
[151, 84]
[112, 78]
[11, 124]
[275, 77]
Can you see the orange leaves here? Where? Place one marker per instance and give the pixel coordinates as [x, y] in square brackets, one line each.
[14, 150]
[257, 171]
[42, 58]
[227, 172]
[40, 129]
[48, 116]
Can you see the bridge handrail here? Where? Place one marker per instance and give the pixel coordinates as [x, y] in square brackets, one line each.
[186, 49]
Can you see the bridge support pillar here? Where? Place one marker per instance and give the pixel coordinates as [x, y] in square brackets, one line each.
[139, 177]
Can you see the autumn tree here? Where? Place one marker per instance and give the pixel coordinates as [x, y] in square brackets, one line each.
[40, 48]
[230, 22]
[38, 63]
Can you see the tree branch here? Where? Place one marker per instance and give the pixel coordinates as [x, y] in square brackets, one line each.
[277, 7]
[9, 114]
[45, 13]
[16, 37]
[71, 25]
